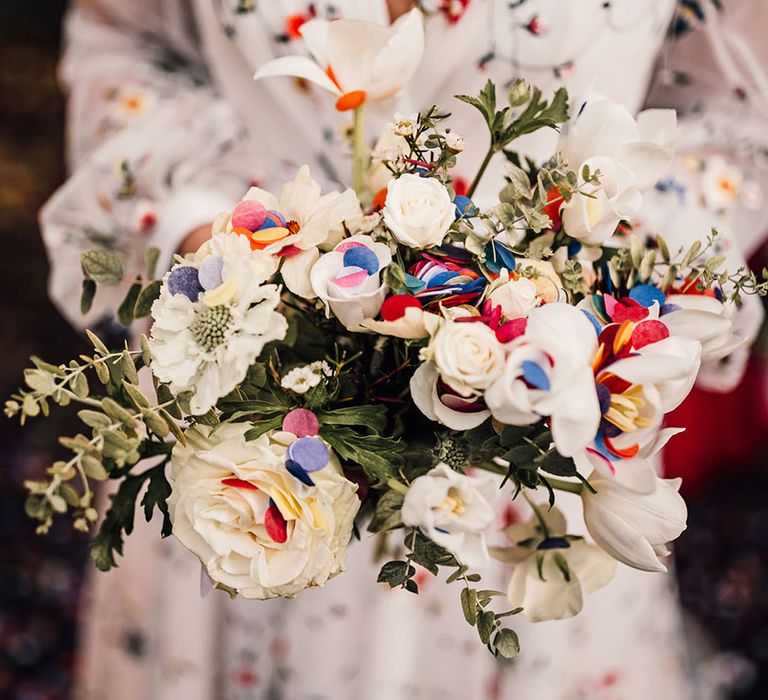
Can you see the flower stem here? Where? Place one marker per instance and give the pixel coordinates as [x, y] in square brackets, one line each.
[397, 486]
[359, 156]
[481, 171]
[537, 512]
[562, 485]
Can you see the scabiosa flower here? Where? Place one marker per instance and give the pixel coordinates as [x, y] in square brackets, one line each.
[213, 318]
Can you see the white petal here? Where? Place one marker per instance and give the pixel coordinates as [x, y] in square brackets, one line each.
[297, 67]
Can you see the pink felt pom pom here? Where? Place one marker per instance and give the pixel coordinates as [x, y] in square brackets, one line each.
[249, 214]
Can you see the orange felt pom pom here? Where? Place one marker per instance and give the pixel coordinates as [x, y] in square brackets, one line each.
[350, 100]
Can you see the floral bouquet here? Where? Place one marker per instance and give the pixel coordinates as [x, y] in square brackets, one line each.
[402, 360]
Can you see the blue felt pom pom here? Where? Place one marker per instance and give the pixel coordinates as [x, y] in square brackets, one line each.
[647, 294]
[595, 323]
[185, 280]
[363, 257]
[464, 207]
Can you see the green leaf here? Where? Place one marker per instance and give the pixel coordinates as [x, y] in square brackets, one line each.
[156, 496]
[146, 298]
[426, 552]
[372, 417]
[264, 426]
[96, 342]
[87, 296]
[94, 419]
[115, 411]
[173, 426]
[102, 266]
[118, 521]
[395, 573]
[506, 643]
[469, 605]
[93, 468]
[380, 457]
[486, 622]
[125, 310]
[151, 256]
[386, 515]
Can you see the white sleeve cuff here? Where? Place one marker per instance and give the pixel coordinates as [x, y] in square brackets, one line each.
[180, 214]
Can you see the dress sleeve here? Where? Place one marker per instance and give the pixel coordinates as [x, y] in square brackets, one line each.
[714, 71]
[153, 152]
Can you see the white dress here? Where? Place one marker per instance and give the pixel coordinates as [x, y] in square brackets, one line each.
[166, 129]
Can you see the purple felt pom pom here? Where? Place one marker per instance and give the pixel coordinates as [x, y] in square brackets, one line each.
[185, 280]
[210, 272]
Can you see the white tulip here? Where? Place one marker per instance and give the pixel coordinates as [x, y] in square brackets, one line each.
[453, 510]
[548, 373]
[355, 60]
[539, 584]
[632, 527]
[630, 154]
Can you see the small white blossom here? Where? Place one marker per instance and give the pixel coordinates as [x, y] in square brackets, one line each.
[301, 379]
[454, 141]
[405, 125]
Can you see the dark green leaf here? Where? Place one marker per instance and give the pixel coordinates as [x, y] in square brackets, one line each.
[264, 426]
[380, 457]
[156, 496]
[125, 310]
[151, 256]
[146, 298]
[395, 573]
[88, 293]
[372, 417]
[486, 622]
[387, 512]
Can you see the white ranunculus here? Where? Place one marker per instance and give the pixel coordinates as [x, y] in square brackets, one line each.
[548, 373]
[320, 218]
[418, 211]
[351, 304]
[538, 583]
[705, 319]
[630, 154]
[516, 297]
[467, 355]
[205, 340]
[632, 527]
[220, 505]
[454, 510]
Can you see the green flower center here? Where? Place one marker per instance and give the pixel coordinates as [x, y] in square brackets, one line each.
[210, 326]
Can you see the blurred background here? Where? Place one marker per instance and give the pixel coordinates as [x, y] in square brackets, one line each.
[722, 559]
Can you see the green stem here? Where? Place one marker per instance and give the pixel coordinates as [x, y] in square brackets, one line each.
[481, 171]
[537, 512]
[359, 155]
[562, 485]
[397, 485]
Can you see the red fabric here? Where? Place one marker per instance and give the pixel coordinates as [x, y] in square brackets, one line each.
[724, 432]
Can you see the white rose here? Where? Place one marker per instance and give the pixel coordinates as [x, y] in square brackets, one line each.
[634, 527]
[467, 355]
[256, 528]
[453, 510]
[349, 280]
[418, 211]
[517, 298]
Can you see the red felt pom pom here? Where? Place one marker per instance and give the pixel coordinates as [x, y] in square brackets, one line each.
[275, 524]
[648, 332]
[394, 307]
[249, 215]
